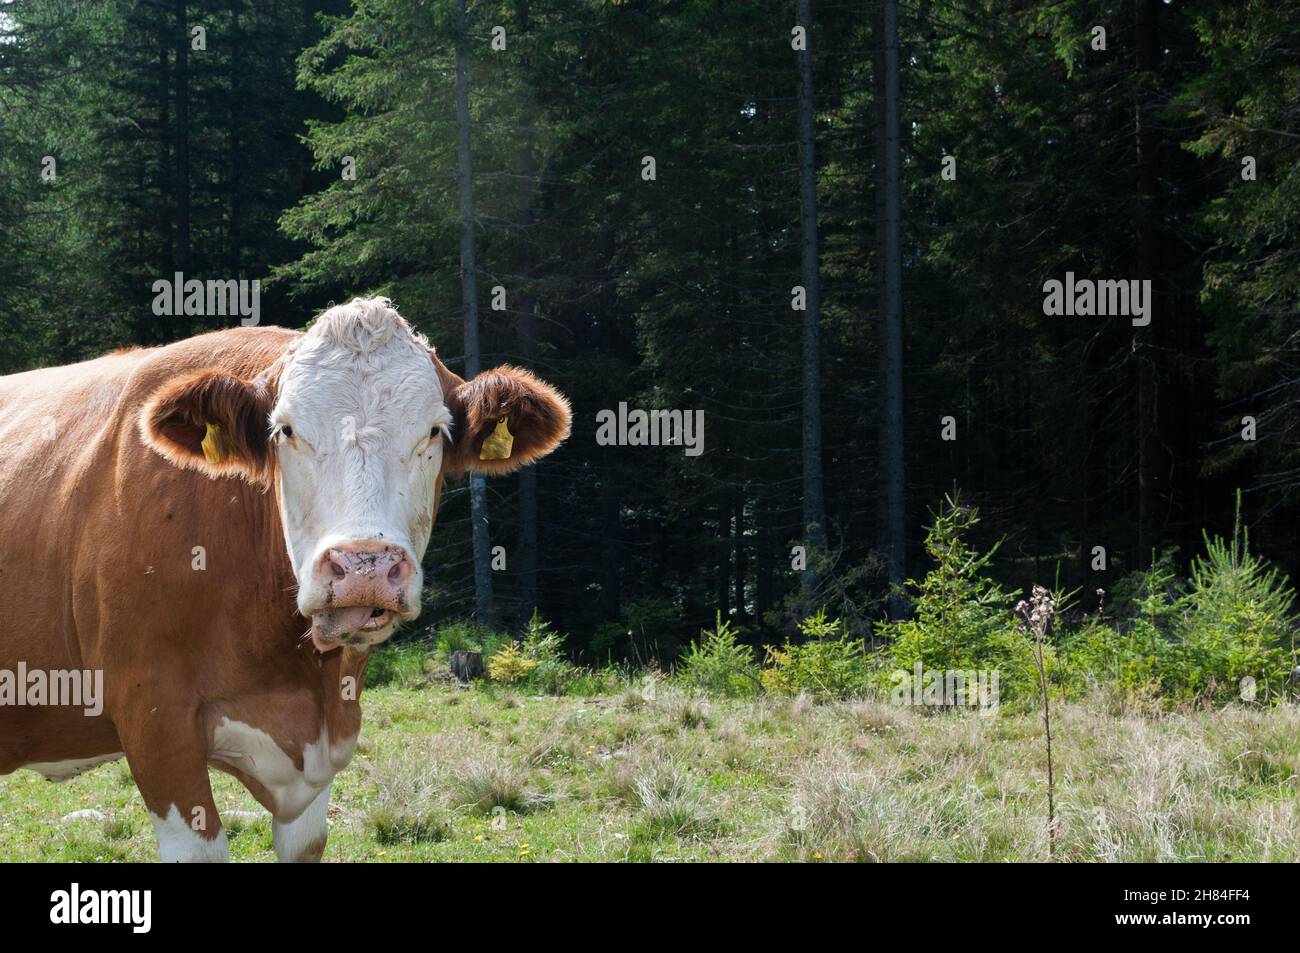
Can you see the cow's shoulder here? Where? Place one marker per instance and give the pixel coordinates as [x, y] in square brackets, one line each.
[81, 490]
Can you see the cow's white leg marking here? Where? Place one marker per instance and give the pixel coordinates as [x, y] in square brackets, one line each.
[64, 770]
[302, 839]
[255, 753]
[179, 843]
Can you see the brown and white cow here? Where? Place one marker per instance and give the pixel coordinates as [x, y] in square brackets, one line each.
[160, 508]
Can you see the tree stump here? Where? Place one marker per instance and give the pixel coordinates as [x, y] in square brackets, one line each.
[466, 665]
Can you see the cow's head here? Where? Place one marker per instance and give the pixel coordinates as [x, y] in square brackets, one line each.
[355, 429]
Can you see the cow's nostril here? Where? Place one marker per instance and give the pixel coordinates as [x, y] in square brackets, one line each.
[337, 568]
[395, 574]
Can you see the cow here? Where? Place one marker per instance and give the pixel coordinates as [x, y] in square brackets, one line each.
[223, 528]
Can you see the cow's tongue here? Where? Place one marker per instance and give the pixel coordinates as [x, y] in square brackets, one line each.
[329, 626]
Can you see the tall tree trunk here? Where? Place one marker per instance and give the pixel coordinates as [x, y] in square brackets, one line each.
[1144, 350]
[814, 507]
[765, 554]
[893, 528]
[527, 559]
[236, 146]
[724, 553]
[527, 333]
[149, 330]
[483, 606]
[738, 558]
[183, 145]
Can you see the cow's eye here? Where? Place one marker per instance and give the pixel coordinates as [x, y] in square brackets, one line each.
[286, 431]
[435, 433]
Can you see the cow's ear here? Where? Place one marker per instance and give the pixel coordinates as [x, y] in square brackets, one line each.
[211, 422]
[503, 419]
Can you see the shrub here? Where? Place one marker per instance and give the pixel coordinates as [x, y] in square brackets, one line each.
[538, 662]
[554, 673]
[828, 664]
[1194, 642]
[510, 665]
[719, 664]
[1238, 621]
[962, 620]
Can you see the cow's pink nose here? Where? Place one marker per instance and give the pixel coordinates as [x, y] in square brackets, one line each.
[361, 575]
[369, 563]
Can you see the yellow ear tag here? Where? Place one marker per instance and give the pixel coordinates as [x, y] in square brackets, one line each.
[215, 446]
[498, 444]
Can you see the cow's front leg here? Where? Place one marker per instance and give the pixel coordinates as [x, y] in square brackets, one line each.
[301, 840]
[168, 758]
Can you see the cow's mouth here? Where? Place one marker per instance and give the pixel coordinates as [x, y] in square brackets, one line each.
[356, 626]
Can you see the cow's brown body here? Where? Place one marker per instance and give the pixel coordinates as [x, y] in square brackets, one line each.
[222, 528]
[98, 540]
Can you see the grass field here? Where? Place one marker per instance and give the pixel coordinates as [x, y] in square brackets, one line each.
[486, 774]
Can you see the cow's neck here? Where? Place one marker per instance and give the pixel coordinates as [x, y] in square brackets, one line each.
[344, 673]
[336, 677]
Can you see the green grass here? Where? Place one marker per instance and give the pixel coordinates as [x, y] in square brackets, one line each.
[448, 774]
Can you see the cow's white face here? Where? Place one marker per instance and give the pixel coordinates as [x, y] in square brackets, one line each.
[354, 428]
[359, 425]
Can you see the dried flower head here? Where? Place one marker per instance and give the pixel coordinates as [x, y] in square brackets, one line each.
[1037, 612]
